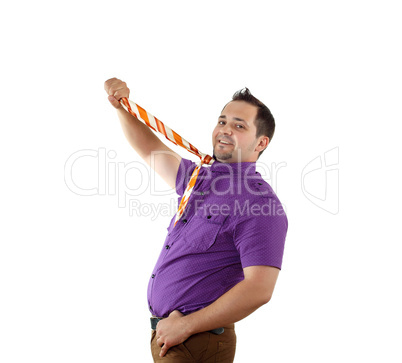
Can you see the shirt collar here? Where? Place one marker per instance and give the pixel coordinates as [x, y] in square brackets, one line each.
[246, 168]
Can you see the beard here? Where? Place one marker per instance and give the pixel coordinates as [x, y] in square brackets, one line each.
[222, 155]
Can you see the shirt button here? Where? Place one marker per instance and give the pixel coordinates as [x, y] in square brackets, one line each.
[209, 217]
[153, 275]
[259, 183]
[184, 220]
[167, 247]
[202, 193]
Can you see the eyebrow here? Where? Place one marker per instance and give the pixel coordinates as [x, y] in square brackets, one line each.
[235, 118]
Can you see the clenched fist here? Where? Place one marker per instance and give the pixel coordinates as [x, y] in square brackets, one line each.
[116, 89]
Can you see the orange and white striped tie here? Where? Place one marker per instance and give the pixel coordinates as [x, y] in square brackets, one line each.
[158, 126]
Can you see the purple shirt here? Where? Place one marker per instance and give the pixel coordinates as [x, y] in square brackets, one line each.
[233, 219]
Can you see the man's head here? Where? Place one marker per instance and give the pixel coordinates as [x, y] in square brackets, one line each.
[244, 129]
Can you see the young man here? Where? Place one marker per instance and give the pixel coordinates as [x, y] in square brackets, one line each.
[222, 259]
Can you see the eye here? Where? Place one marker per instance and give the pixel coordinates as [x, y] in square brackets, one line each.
[241, 126]
[220, 122]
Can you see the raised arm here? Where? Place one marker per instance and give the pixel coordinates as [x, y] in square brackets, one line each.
[143, 140]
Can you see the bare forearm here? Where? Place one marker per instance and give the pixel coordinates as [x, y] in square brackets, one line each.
[139, 135]
[234, 305]
[142, 139]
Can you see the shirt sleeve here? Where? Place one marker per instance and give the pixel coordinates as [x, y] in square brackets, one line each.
[260, 235]
[186, 168]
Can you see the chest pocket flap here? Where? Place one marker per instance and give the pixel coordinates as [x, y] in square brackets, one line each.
[203, 229]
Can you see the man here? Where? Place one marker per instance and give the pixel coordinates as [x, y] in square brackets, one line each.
[222, 259]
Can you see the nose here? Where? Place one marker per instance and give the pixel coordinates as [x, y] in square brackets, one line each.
[227, 130]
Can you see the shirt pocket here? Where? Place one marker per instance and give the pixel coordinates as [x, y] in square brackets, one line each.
[202, 231]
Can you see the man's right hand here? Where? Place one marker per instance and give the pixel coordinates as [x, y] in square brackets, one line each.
[116, 89]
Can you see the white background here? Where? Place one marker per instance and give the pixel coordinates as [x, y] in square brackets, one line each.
[74, 269]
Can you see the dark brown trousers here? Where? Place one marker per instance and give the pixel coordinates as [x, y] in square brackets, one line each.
[200, 348]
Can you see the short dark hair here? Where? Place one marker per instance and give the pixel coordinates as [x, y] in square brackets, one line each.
[264, 121]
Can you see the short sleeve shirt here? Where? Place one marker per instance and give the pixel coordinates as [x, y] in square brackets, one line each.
[232, 220]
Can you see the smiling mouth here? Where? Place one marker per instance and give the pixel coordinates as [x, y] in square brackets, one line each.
[224, 142]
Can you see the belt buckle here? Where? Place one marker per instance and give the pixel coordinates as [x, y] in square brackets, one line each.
[154, 322]
[217, 331]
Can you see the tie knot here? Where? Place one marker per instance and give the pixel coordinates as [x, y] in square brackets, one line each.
[206, 159]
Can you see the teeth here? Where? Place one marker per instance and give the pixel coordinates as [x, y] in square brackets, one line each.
[224, 142]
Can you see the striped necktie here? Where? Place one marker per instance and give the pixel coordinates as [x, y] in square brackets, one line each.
[158, 126]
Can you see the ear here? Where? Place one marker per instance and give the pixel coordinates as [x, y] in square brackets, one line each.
[262, 144]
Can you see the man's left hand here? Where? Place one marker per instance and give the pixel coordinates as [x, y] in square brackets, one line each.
[171, 331]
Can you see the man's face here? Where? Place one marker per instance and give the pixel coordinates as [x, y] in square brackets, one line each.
[234, 137]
